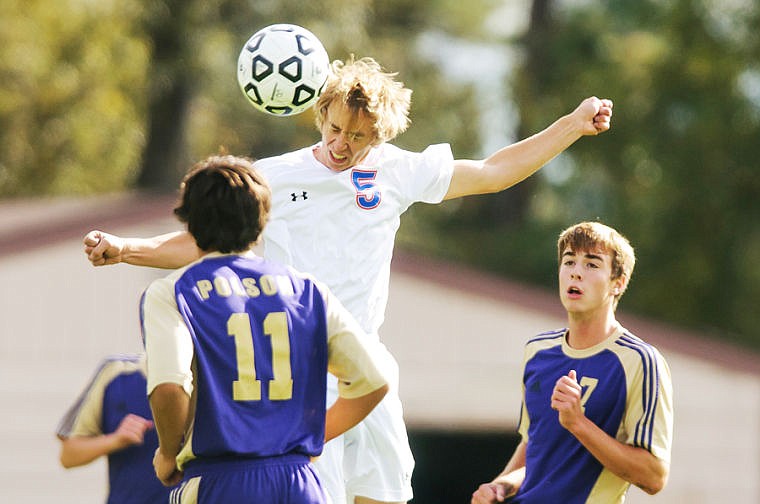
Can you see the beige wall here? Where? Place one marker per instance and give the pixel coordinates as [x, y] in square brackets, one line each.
[58, 318]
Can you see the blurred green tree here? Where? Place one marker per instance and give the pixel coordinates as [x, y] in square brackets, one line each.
[678, 173]
[72, 76]
[107, 96]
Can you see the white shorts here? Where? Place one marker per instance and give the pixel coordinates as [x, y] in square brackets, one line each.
[372, 459]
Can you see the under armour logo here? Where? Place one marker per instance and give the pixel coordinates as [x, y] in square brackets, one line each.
[295, 196]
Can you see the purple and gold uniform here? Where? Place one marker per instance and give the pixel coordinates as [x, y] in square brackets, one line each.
[116, 390]
[626, 391]
[251, 342]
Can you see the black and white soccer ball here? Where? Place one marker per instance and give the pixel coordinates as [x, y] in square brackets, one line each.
[282, 69]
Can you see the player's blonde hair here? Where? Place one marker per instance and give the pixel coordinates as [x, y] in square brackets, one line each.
[594, 236]
[363, 86]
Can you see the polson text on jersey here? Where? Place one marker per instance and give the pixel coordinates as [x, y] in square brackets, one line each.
[268, 285]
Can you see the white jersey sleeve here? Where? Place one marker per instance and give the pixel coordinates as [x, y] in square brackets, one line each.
[433, 169]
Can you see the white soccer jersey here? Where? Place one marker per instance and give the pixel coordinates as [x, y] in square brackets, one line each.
[341, 226]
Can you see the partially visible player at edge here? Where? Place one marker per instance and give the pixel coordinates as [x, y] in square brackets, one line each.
[597, 410]
[237, 350]
[336, 209]
[111, 418]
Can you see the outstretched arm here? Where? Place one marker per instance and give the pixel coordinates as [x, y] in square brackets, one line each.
[635, 465]
[81, 450]
[514, 163]
[171, 250]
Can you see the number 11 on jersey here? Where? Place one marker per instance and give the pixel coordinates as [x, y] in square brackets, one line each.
[247, 387]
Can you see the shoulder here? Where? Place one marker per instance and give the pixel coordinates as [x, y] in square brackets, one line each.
[160, 288]
[629, 340]
[542, 342]
[291, 158]
[123, 364]
[113, 366]
[636, 352]
[389, 152]
[419, 176]
[547, 338]
[125, 359]
[160, 294]
[164, 286]
[307, 279]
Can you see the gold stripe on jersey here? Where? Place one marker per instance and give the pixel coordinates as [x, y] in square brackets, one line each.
[86, 417]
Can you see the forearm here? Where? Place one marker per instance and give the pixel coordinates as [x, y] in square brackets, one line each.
[506, 484]
[81, 450]
[514, 163]
[635, 465]
[171, 250]
[514, 472]
[170, 406]
[346, 413]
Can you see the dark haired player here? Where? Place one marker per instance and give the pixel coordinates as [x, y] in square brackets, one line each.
[238, 349]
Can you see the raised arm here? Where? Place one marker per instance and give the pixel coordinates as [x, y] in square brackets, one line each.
[171, 250]
[514, 163]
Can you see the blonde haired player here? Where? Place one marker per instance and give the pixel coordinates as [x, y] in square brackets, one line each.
[335, 211]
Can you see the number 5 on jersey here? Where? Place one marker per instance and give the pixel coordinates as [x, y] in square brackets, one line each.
[247, 387]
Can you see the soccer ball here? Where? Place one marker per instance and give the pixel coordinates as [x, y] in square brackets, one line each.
[282, 69]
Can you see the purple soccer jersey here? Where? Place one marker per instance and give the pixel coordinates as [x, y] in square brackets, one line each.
[260, 342]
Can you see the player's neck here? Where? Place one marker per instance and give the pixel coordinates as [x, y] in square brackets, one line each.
[586, 330]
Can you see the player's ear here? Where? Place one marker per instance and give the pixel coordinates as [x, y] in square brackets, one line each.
[619, 285]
